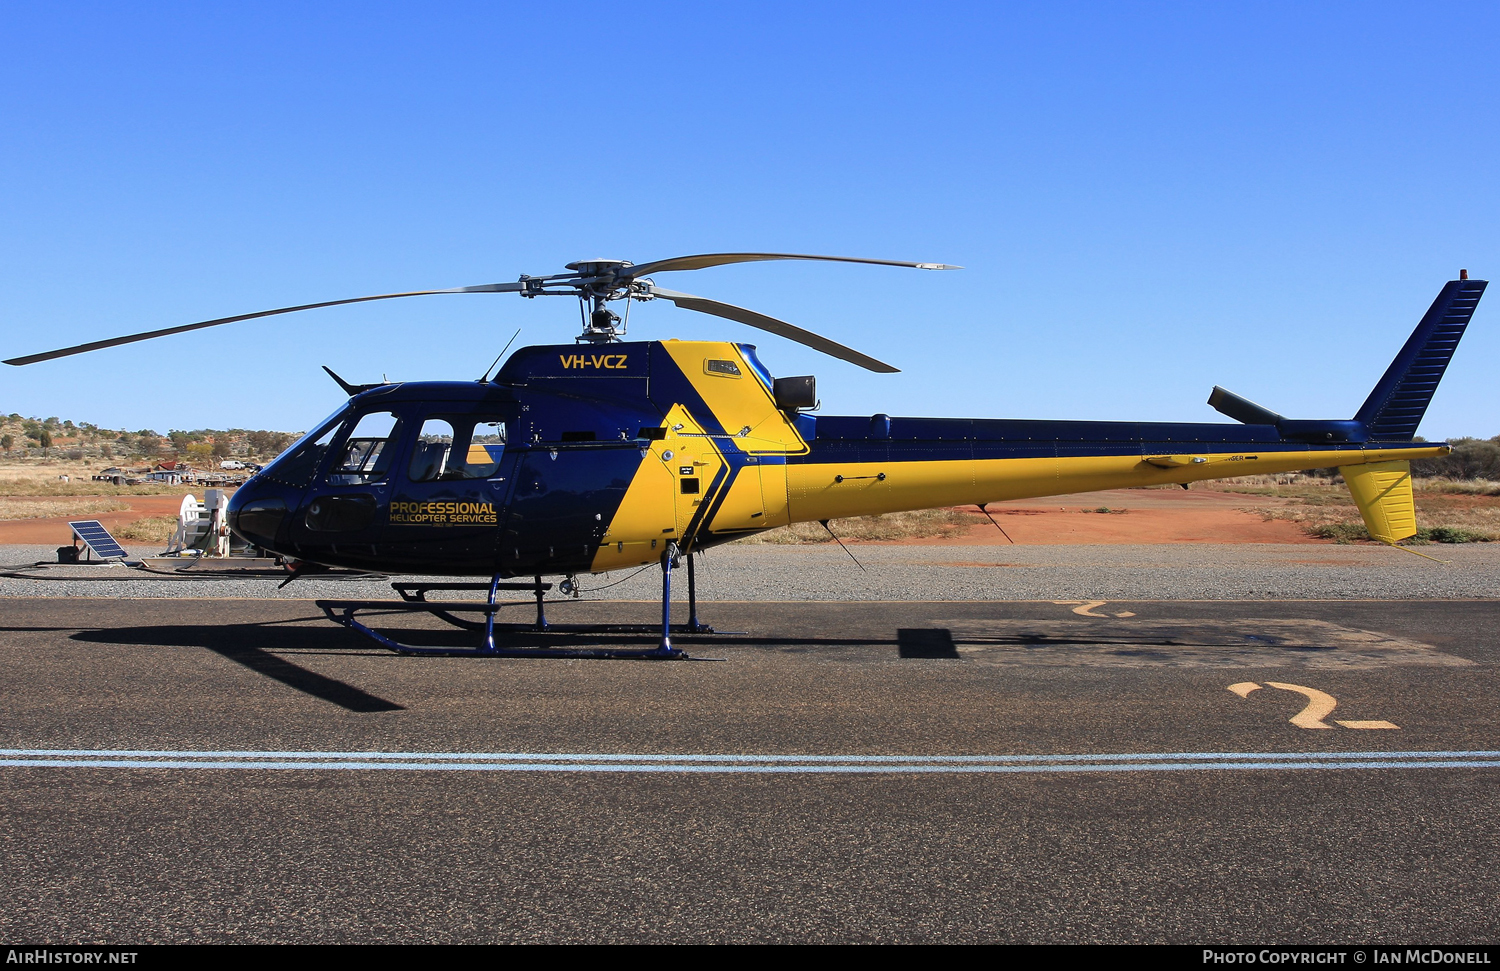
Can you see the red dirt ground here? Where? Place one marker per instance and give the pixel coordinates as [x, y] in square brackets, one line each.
[55, 532]
[1151, 516]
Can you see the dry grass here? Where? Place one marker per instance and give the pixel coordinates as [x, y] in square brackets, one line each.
[920, 524]
[29, 508]
[157, 529]
[1478, 516]
[1241, 483]
[1309, 489]
[1458, 487]
[1309, 485]
[42, 480]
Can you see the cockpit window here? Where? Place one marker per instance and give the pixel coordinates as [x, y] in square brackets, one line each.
[300, 462]
[458, 447]
[367, 452]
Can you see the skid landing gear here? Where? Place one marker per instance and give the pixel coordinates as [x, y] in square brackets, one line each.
[414, 600]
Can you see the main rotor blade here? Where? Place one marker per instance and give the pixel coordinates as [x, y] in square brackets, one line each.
[720, 259]
[148, 335]
[779, 327]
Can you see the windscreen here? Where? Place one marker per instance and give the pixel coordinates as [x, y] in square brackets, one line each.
[302, 459]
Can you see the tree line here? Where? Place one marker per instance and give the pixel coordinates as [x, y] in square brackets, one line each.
[81, 440]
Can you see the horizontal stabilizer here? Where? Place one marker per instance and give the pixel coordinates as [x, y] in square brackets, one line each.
[1241, 409]
[1382, 490]
[1396, 406]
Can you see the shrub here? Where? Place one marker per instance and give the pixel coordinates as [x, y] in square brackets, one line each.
[1472, 458]
[1453, 534]
[1340, 532]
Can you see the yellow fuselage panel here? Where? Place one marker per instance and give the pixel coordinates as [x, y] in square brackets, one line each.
[742, 404]
[664, 499]
[840, 489]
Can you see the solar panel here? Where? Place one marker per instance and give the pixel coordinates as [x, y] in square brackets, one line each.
[97, 539]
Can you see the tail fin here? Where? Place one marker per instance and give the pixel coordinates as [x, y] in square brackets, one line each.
[1396, 406]
[1382, 490]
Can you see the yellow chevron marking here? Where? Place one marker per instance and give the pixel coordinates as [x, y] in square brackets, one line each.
[647, 516]
[694, 456]
[655, 509]
[738, 402]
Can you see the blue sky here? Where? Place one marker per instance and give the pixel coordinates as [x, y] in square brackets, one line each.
[1148, 198]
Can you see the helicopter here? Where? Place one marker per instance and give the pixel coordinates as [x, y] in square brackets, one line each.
[608, 453]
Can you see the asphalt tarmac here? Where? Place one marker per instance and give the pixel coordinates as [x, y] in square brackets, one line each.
[1151, 771]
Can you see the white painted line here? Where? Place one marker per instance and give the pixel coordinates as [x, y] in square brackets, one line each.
[720, 757]
[737, 763]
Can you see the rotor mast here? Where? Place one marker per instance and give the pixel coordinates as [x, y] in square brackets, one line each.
[595, 283]
[600, 281]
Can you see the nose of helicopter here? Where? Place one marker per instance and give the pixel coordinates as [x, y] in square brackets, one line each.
[256, 513]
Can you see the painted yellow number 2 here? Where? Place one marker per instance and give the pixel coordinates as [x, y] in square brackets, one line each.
[1320, 705]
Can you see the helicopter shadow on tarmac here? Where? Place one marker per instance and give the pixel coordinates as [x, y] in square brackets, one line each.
[270, 648]
[262, 648]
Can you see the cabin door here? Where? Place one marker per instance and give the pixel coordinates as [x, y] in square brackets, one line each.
[341, 517]
[447, 505]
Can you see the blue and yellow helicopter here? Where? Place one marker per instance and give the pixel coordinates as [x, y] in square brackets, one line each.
[606, 453]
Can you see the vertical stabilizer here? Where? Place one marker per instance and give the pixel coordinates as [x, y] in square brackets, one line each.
[1382, 490]
[1396, 406]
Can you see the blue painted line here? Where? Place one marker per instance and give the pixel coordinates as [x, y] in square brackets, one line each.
[740, 763]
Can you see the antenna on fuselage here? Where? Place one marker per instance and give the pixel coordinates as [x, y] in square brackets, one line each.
[486, 375]
[984, 508]
[824, 524]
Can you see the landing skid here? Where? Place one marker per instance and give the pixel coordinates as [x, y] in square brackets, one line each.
[414, 600]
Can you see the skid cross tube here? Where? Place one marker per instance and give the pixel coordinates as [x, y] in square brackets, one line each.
[414, 600]
[417, 593]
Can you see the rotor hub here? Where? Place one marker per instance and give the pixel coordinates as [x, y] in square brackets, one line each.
[599, 267]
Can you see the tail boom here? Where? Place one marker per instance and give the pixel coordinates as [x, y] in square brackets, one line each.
[827, 490]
